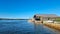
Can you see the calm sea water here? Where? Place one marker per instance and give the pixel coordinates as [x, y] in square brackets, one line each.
[23, 27]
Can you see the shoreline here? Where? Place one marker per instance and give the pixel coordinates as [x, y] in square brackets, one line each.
[50, 25]
[53, 25]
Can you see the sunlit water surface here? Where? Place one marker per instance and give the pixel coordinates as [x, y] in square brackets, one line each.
[22, 27]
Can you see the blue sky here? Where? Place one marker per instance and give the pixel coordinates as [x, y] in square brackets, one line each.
[27, 8]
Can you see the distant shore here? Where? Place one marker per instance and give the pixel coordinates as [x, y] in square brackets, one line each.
[12, 19]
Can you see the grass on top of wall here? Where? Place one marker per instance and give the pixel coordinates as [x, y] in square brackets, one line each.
[57, 19]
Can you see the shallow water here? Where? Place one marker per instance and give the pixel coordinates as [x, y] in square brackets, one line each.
[23, 27]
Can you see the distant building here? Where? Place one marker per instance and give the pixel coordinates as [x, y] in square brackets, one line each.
[45, 17]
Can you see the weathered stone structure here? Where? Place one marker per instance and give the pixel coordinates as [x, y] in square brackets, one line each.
[45, 17]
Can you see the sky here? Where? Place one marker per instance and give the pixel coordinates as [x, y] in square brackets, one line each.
[28, 8]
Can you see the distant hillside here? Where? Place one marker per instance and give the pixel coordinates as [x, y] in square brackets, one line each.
[12, 19]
